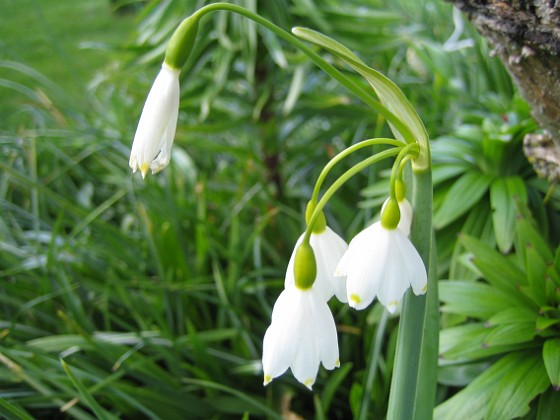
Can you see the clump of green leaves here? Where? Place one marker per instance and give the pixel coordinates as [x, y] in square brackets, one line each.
[480, 172]
[503, 332]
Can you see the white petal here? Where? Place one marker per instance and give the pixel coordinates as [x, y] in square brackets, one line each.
[280, 342]
[359, 242]
[305, 364]
[162, 159]
[329, 249]
[406, 217]
[365, 275]
[395, 281]
[327, 340]
[416, 270]
[157, 122]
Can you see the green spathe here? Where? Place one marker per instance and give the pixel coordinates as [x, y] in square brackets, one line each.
[182, 42]
[305, 266]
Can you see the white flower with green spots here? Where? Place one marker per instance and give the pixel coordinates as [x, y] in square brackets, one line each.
[381, 263]
[301, 336]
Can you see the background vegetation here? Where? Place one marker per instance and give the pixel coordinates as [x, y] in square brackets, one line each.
[130, 298]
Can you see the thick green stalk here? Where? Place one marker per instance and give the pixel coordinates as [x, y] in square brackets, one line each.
[413, 385]
[356, 89]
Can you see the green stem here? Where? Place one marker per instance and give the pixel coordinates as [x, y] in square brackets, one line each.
[372, 366]
[348, 83]
[413, 385]
[346, 152]
[341, 180]
[404, 153]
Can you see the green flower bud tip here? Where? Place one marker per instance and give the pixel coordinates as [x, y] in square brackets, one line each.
[305, 267]
[320, 223]
[181, 42]
[391, 215]
[400, 190]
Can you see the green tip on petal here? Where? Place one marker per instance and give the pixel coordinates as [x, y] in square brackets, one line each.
[309, 383]
[305, 266]
[355, 298]
[320, 223]
[391, 306]
[391, 215]
[144, 168]
[267, 380]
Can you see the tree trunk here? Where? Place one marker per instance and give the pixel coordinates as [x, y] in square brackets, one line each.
[526, 36]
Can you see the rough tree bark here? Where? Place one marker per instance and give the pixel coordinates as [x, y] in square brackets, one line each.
[526, 36]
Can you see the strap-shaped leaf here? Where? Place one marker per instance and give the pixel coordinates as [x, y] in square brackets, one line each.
[461, 197]
[388, 92]
[504, 192]
[536, 270]
[498, 270]
[472, 299]
[551, 357]
[524, 379]
[513, 333]
[467, 342]
[503, 391]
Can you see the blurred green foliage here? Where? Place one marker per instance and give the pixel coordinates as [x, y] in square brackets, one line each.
[155, 294]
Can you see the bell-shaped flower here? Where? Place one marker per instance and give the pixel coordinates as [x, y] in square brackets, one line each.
[381, 261]
[301, 336]
[329, 249]
[151, 148]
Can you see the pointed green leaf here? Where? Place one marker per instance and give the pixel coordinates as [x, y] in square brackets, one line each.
[503, 391]
[86, 396]
[471, 402]
[498, 270]
[515, 315]
[551, 357]
[544, 323]
[536, 269]
[549, 405]
[472, 299]
[12, 411]
[528, 234]
[504, 192]
[388, 92]
[522, 382]
[512, 333]
[467, 342]
[461, 197]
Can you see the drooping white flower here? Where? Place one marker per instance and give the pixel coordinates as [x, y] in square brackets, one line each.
[381, 262]
[302, 335]
[329, 249]
[406, 215]
[151, 148]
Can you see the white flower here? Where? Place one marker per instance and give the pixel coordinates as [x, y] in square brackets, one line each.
[302, 334]
[329, 249]
[384, 263]
[151, 148]
[406, 215]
